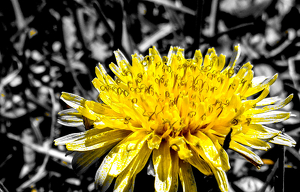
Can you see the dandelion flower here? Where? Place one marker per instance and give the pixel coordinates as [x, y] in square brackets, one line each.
[176, 111]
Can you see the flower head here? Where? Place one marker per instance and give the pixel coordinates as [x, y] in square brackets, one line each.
[177, 110]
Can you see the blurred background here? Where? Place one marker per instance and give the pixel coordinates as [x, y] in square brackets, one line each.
[50, 46]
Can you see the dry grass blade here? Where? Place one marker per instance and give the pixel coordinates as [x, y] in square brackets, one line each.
[270, 176]
[38, 176]
[42, 172]
[174, 6]
[7, 79]
[20, 22]
[279, 186]
[151, 40]
[2, 188]
[294, 152]
[213, 19]
[41, 149]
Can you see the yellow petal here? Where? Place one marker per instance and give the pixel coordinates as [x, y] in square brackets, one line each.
[250, 103]
[221, 62]
[117, 71]
[221, 178]
[270, 107]
[87, 113]
[235, 56]
[261, 132]
[103, 179]
[260, 83]
[251, 142]
[114, 105]
[268, 101]
[98, 140]
[125, 181]
[103, 77]
[122, 61]
[269, 117]
[249, 155]
[79, 136]
[84, 159]
[154, 141]
[179, 145]
[245, 68]
[215, 168]
[187, 177]
[69, 138]
[126, 151]
[199, 163]
[220, 130]
[204, 146]
[70, 117]
[134, 113]
[198, 58]
[283, 139]
[163, 167]
[72, 100]
[222, 153]
[116, 123]
[175, 171]
[101, 108]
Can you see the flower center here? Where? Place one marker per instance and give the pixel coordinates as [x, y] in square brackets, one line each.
[172, 96]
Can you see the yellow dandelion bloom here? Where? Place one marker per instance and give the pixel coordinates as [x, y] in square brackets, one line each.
[176, 111]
